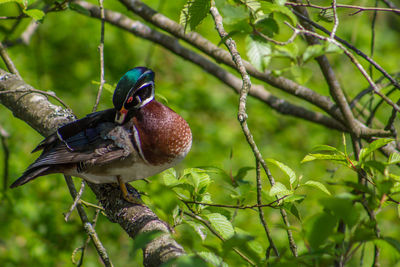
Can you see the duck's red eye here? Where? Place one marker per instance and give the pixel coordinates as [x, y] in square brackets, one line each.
[129, 99]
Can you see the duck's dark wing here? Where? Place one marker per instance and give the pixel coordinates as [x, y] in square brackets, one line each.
[79, 145]
[78, 133]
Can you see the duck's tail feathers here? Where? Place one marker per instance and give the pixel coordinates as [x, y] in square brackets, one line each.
[30, 174]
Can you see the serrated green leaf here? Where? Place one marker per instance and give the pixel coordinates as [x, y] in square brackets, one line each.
[338, 158]
[280, 190]
[221, 224]
[169, 177]
[258, 51]
[295, 211]
[193, 13]
[331, 48]
[373, 146]
[294, 198]
[394, 158]
[200, 178]
[286, 169]
[36, 14]
[318, 185]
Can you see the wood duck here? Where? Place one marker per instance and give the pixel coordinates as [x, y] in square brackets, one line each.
[138, 138]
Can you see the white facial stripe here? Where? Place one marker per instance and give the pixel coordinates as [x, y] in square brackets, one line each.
[147, 100]
[137, 142]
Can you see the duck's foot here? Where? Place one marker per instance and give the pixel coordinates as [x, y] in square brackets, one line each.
[131, 197]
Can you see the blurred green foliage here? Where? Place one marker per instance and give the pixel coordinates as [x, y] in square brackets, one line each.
[63, 57]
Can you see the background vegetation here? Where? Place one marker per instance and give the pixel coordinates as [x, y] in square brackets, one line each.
[342, 209]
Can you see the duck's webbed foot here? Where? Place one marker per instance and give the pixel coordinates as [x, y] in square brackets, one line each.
[132, 197]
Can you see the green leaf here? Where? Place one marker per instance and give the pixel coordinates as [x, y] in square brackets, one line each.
[319, 228]
[221, 224]
[301, 74]
[78, 8]
[267, 26]
[375, 165]
[212, 259]
[343, 207]
[142, 239]
[169, 177]
[279, 190]
[193, 13]
[339, 158]
[394, 158]
[186, 261]
[258, 51]
[269, 8]
[318, 185]
[8, 1]
[393, 242]
[36, 14]
[232, 14]
[199, 229]
[200, 178]
[289, 172]
[326, 148]
[313, 51]
[373, 146]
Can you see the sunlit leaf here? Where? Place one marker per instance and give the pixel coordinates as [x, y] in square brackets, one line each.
[279, 189]
[221, 224]
[318, 185]
[337, 158]
[269, 8]
[212, 258]
[258, 52]
[366, 151]
[36, 14]
[193, 13]
[286, 169]
[394, 158]
[301, 74]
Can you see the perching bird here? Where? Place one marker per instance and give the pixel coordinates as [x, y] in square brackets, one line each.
[138, 138]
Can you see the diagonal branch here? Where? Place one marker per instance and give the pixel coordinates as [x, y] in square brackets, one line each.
[45, 117]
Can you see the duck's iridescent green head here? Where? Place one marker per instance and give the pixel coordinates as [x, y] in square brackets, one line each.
[134, 90]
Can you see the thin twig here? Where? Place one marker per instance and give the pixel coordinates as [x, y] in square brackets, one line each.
[101, 51]
[351, 47]
[209, 226]
[242, 115]
[359, 8]
[335, 19]
[102, 252]
[4, 135]
[355, 62]
[7, 60]
[261, 211]
[76, 201]
[240, 207]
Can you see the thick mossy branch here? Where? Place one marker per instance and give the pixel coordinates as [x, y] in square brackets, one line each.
[45, 117]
